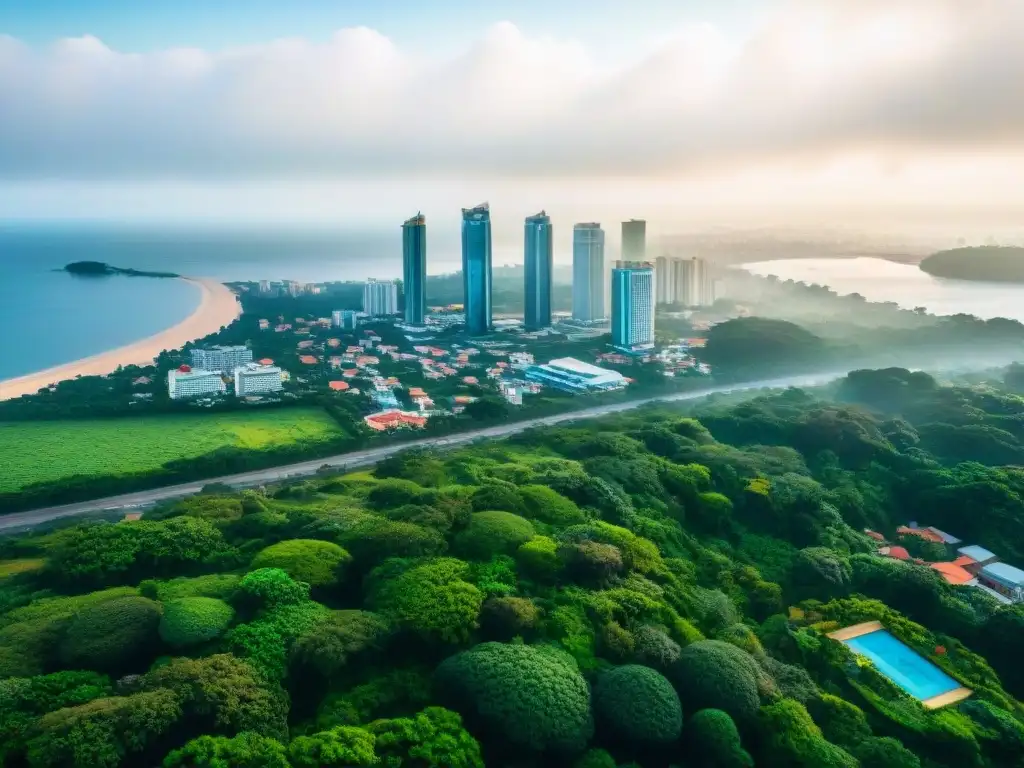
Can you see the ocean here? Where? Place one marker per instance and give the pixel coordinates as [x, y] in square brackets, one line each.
[49, 317]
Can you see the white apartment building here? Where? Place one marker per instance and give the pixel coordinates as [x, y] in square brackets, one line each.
[380, 298]
[255, 379]
[188, 382]
[683, 281]
[221, 358]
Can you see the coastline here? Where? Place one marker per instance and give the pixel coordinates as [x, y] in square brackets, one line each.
[218, 307]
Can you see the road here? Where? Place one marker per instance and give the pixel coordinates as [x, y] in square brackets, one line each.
[359, 459]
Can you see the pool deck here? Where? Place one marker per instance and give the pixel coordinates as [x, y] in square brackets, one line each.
[848, 633]
[947, 698]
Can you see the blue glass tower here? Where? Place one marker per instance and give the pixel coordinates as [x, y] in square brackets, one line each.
[539, 264]
[414, 268]
[588, 272]
[476, 268]
[632, 305]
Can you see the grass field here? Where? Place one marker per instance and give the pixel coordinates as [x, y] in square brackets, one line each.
[33, 452]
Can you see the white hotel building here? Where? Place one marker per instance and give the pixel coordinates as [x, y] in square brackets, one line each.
[188, 382]
[255, 379]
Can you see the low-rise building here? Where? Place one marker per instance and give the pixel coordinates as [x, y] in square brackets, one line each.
[185, 382]
[572, 375]
[1005, 579]
[394, 419]
[255, 379]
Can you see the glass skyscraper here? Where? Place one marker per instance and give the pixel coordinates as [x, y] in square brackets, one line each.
[632, 305]
[588, 272]
[539, 260]
[634, 240]
[476, 268]
[414, 268]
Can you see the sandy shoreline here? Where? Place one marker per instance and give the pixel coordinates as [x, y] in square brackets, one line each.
[218, 307]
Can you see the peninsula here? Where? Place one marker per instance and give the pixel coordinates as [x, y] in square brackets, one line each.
[218, 307]
[99, 269]
[988, 263]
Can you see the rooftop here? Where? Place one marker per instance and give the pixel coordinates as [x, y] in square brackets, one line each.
[953, 573]
[1005, 574]
[977, 554]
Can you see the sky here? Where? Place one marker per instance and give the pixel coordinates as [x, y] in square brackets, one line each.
[723, 112]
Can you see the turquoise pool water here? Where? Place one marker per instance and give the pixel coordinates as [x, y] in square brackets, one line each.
[905, 667]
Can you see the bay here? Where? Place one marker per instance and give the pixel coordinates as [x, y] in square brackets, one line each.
[903, 284]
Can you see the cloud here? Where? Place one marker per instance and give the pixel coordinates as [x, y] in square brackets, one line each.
[813, 81]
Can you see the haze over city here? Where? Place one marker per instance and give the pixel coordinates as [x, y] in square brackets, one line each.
[874, 115]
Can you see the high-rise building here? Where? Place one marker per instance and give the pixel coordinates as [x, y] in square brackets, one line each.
[380, 298]
[414, 268]
[346, 319]
[588, 272]
[264, 286]
[664, 285]
[539, 260]
[693, 286]
[220, 358]
[632, 305]
[187, 382]
[253, 379]
[476, 267]
[634, 240]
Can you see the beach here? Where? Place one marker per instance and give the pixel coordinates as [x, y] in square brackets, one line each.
[218, 307]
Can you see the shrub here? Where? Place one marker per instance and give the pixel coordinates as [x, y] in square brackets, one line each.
[112, 635]
[595, 758]
[590, 562]
[840, 721]
[499, 496]
[433, 738]
[549, 506]
[330, 645]
[394, 492]
[378, 538]
[887, 752]
[503, 618]
[318, 563]
[432, 600]
[712, 736]
[270, 587]
[246, 750]
[538, 558]
[493, 533]
[821, 572]
[651, 646]
[638, 706]
[532, 698]
[790, 737]
[194, 620]
[716, 675]
[219, 585]
[344, 747]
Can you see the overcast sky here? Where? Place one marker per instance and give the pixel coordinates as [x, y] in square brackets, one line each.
[346, 111]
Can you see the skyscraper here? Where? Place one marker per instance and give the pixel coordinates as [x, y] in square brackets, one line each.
[693, 284]
[476, 267]
[634, 240]
[380, 298]
[539, 259]
[588, 272]
[414, 268]
[664, 281]
[632, 305]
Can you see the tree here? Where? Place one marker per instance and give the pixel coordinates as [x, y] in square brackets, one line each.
[822, 573]
[548, 506]
[790, 737]
[531, 698]
[433, 738]
[715, 742]
[194, 620]
[317, 563]
[432, 600]
[539, 559]
[112, 636]
[344, 747]
[711, 674]
[377, 539]
[246, 750]
[498, 496]
[271, 587]
[503, 618]
[493, 533]
[330, 646]
[638, 707]
[654, 648]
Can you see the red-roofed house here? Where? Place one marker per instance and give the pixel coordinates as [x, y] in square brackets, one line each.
[394, 419]
[924, 533]
[305, 344]
[307, 360]
[874, 535]
[265, 361]
[470, 380]
[334, 342]
[367, 360]
[349, 373]
[953, 573]
[338, 386]
[896, 553]
[416, 392]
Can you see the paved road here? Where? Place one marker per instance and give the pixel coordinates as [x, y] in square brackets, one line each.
[370, 457]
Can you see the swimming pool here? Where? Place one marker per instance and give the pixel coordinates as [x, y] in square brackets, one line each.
[905, 667]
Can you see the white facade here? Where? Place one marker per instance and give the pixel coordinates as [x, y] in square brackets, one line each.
[380, 298]
[184, 384]
[221, 358]
[257, 380]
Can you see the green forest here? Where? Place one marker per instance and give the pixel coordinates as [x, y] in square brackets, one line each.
[996, 263]
[644, 590]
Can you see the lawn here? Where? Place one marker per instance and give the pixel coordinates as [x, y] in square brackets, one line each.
[33, 452]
